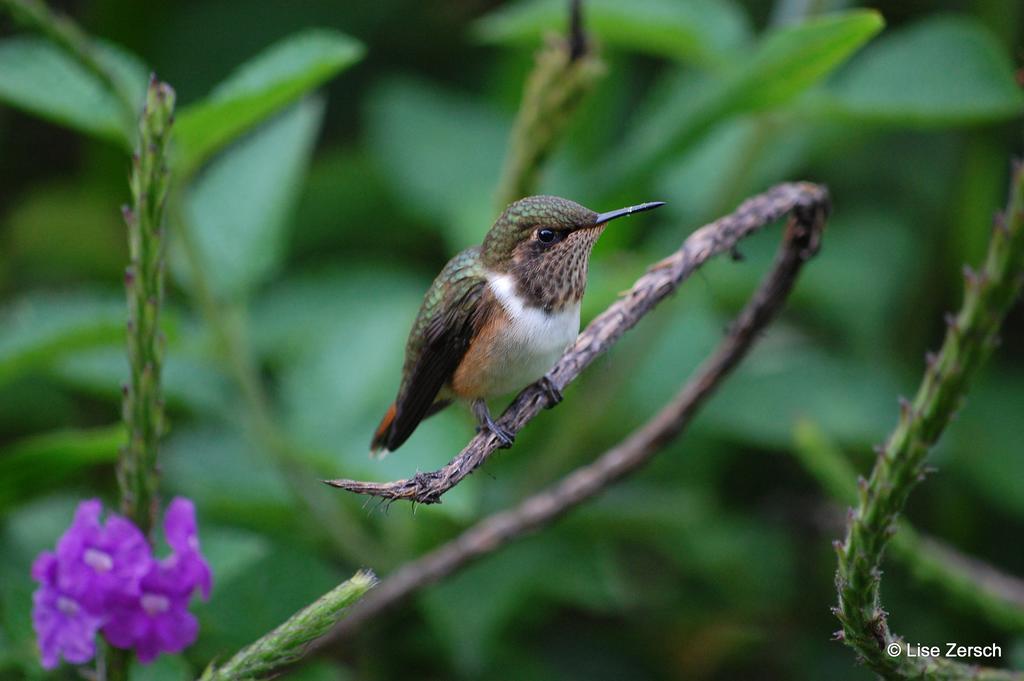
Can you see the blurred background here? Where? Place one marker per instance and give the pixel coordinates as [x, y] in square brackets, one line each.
[319, 231]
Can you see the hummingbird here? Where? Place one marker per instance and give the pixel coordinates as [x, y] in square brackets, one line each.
[499, 315]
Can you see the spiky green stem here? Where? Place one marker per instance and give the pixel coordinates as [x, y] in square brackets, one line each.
[288, 642]
[144, 281]
[564, 73]
[971, 583]
[970, 337]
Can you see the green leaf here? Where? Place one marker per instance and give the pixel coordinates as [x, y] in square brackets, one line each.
[232, 552]
[239, 207]
[941, 71]
[293, 318]
[42, 462]
[793, 58]
[443, 152]
[344, 191]
[693, 182]
[786, 63]
[129, 72]
[265, 84]
[37, 330]
[203, 462]
[189, 382]
[39, 77]
[698, 30]
[29, 405]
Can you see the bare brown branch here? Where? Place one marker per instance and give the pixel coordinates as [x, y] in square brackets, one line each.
[808, 202]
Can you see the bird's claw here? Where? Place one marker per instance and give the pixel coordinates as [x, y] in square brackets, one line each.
[505, 438]
[554, 395]
[486, 423]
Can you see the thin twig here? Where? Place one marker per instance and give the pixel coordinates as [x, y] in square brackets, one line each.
[660, 281]
[970, 337]
[578, 43]
[809, 204]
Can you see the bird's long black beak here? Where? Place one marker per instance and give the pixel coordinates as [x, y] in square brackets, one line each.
[623, 212]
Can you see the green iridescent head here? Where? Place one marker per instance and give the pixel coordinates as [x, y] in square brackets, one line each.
[537, 224]
[526, 218]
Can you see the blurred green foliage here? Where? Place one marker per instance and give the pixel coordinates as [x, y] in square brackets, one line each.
[345, 150]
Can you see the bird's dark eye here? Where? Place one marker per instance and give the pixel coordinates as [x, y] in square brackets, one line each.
[546, 235]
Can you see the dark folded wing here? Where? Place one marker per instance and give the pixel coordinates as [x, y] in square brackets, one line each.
[443, 332]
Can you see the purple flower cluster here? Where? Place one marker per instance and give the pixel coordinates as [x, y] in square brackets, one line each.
[104, 577]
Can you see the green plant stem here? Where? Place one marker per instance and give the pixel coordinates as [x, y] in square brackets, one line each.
[116, 662]
[970, 337]
[65, 33]
[144, 281]
[559, 81]
[342, 530]
[972, 583]
[288, 642]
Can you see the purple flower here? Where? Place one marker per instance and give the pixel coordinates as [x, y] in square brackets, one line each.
[157, 620]
[186, 562]
[96, 562]
[105, 578]
[93, 565]
[63, 625]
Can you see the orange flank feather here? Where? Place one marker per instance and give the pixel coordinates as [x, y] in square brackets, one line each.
[380, 436]
[472, 375]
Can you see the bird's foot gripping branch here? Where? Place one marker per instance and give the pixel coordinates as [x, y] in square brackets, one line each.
[808, 204]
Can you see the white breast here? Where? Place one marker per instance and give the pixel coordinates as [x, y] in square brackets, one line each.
[534, 339]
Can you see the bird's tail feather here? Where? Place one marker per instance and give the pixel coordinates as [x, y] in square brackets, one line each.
[379, 445]
[385, 439]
